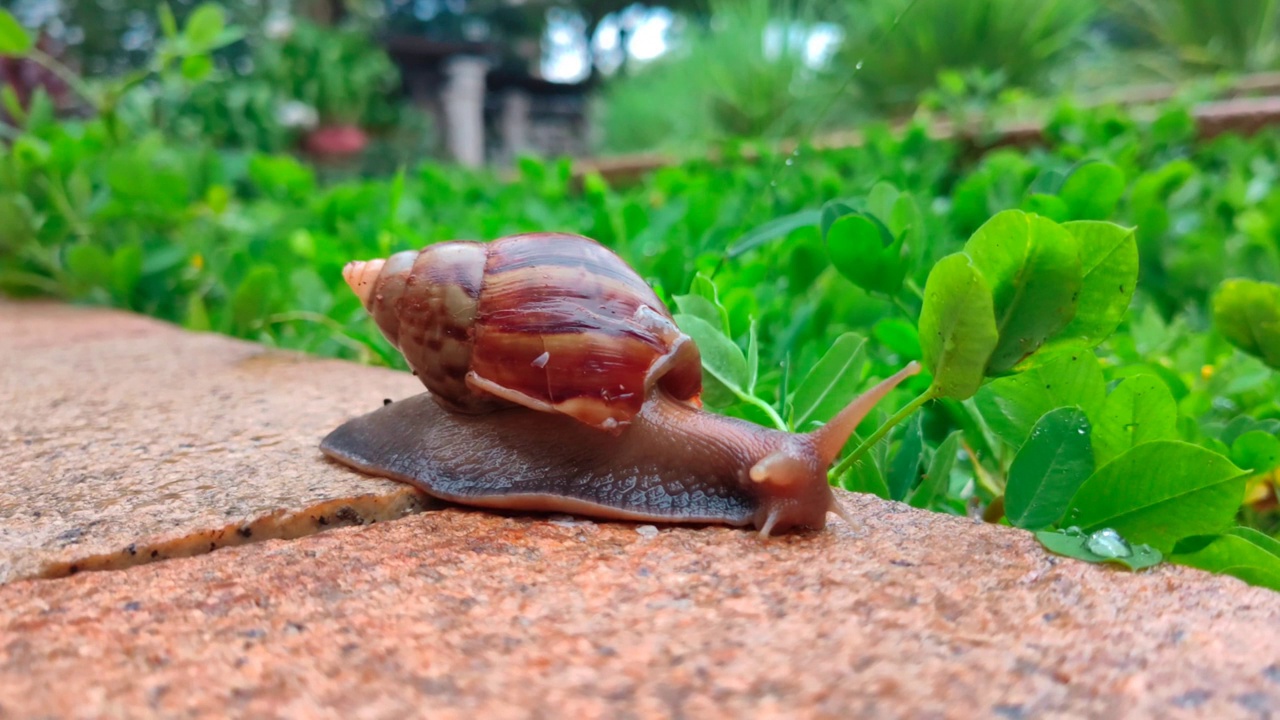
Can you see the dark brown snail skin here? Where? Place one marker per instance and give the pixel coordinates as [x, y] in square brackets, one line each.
[662, 459]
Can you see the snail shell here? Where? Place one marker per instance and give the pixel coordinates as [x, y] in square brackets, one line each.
[548, 321]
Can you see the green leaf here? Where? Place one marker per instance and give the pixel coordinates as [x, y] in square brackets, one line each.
[865, 477]
[1140, 409]
[1247, 313]
[957, 327]
[937, 479]
[1160, 492]
[204, 28]
[831, 384]
[197, 67]
[90, 265]
[253, 297]
[1092, 191]
[1109, 263]
[1033, 267]
[15, 41]
[1241, 552]
[905, 467]
[1050, 206]
[703, 301]
[722, 359]
[126, 270]
[1012, 405]
[1257, 451]
[1078, 545]
[865, 252]
[168, 24]
[774, 230]
[899, 336]
[1049, 469]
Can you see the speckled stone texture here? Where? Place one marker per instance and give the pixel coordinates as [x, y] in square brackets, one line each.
[124, 439]
[467, 614]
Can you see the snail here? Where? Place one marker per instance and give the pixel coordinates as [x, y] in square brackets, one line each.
[557, 381]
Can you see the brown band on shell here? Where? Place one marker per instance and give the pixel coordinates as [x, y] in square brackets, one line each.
[436, 312]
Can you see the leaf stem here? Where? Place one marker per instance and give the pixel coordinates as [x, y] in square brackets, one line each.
[765, 407]
[875, 437]
[65, 74]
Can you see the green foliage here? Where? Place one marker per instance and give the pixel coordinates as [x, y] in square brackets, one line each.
[1247, 313]
[902, 46]
[1240, 35]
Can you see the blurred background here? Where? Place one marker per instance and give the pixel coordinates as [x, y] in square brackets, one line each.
[369, 83]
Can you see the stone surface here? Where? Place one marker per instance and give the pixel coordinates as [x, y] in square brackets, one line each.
[463, 613]
[124, 439]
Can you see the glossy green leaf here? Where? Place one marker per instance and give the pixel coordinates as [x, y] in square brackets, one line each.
[722, 359]
[1109, 263]
[957, 327]
[1078, 545]
[1092, 191]
[1012, 405]
[1140, 409]
[1032, 266]
[863, 250]
[15, 41]
[1048, 469]
[1241, 552]
[1247, 313]
[905, 467]
[1160, 492]
[937, 479]
[831, 384]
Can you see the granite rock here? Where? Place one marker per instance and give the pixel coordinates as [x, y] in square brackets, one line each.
[125, 439]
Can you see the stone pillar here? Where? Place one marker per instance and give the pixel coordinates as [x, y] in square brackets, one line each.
[516, 106]
[464, 108]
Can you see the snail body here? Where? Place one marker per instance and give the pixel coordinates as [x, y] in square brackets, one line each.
[656, 457]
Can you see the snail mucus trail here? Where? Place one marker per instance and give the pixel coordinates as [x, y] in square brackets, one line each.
[557, 381]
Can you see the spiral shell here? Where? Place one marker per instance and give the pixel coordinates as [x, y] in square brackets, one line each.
[549, 321]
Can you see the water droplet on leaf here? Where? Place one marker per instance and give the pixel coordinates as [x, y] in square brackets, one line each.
[1107, 543]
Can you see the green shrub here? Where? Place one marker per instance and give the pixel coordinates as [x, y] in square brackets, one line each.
[1209, 35]
[896, 49]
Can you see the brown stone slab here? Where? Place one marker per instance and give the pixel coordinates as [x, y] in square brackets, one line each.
[467, 614]
[125, 439]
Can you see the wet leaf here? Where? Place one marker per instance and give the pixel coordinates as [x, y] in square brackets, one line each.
[1160, 492]
[1109, 263]
[1141, 409]
[1076, 545]
[1049, 469]
[1012, 405]
[1032, 266]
